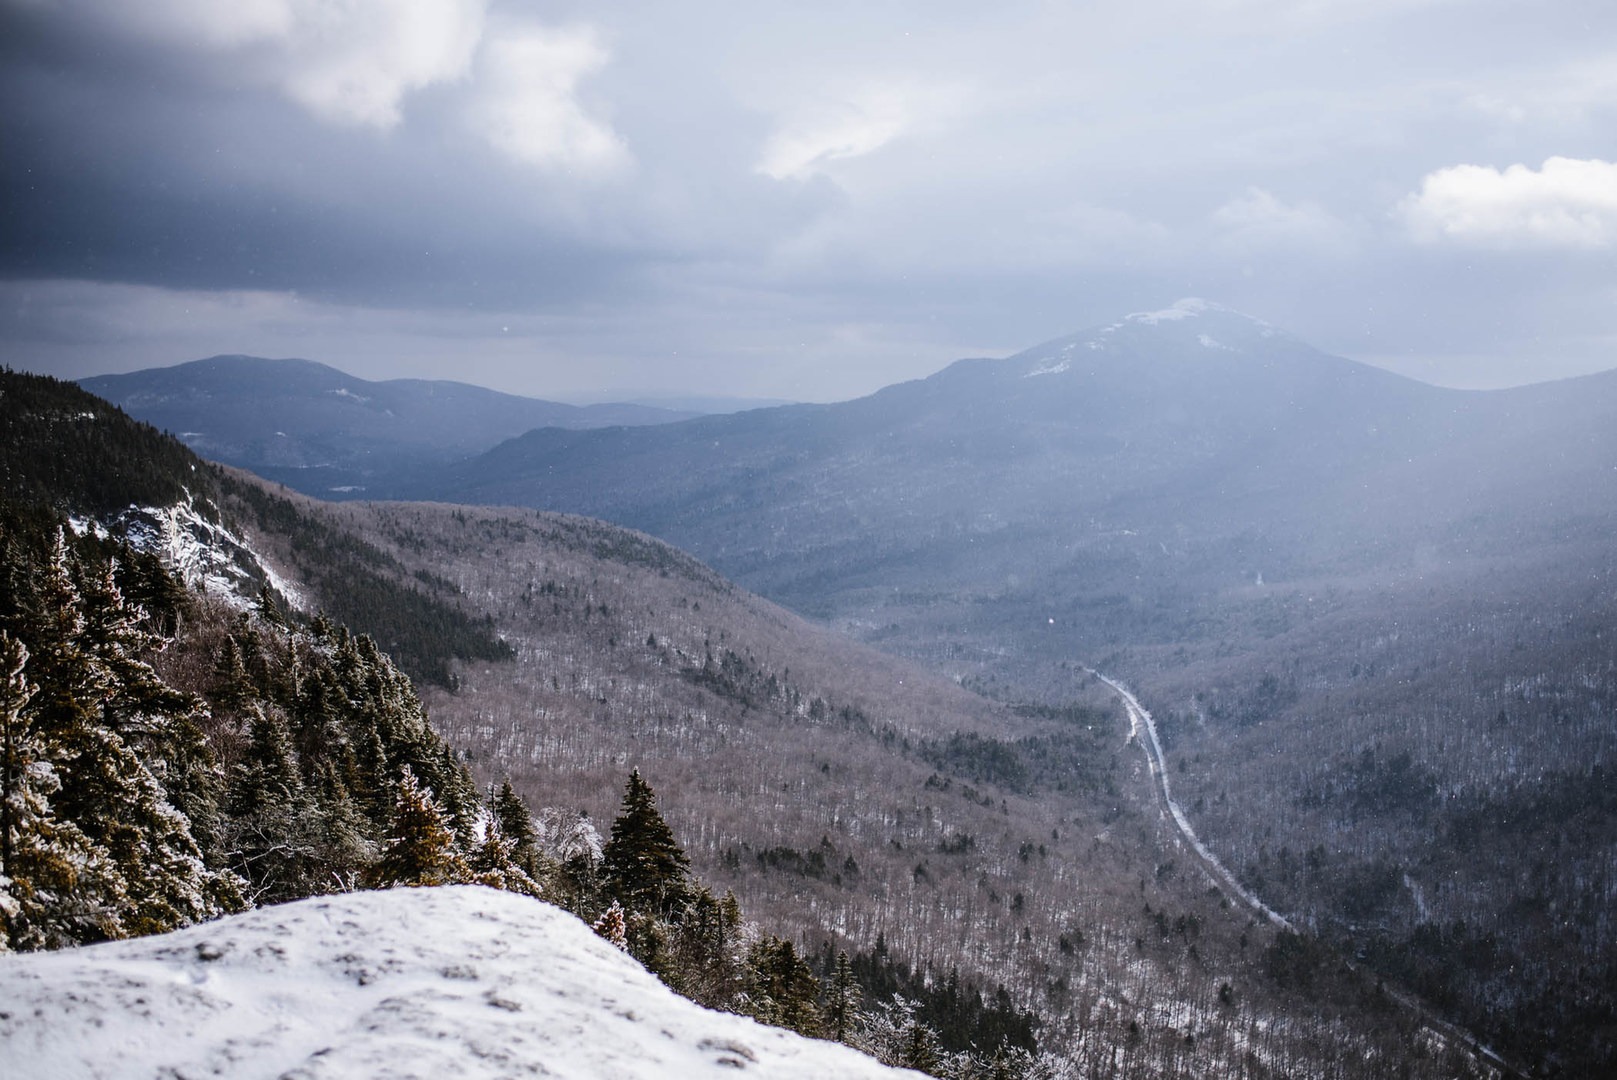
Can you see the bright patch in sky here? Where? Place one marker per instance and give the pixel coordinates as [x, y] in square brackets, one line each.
[848, 129]
[1566, 204]
[528, 108]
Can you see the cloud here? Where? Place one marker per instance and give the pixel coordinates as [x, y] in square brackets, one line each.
[1568, 204]
[850, 128]
[1257, 221]
[527, 105]
[350, 63]
[839, 126]
[353, 63]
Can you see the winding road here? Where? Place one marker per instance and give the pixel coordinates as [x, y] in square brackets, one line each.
[1157, 763]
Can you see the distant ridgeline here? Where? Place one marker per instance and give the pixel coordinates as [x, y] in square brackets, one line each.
[168, 756]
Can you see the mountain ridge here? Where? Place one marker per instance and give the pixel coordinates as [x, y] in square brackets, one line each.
[323, 431]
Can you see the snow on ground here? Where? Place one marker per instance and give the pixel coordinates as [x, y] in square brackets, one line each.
[459, 982]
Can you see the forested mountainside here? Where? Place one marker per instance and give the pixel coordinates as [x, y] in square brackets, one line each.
[999, 878]
[1333, 583]
[329, 433]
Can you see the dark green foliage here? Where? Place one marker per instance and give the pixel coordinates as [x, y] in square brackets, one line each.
[642, 866]
[1068, 756]
[841, 1000]
[956, 1009]
[422, 626]
[1296, 961]
[781, 987]
[68, 450]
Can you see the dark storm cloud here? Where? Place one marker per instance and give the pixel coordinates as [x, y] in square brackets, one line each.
[798, 202]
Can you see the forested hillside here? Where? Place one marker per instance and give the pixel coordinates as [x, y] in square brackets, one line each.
[946, 881]
[1373, 614]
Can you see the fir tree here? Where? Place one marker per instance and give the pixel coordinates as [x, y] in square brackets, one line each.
[782, 989]
[516, 825]
[643, 867]
[56, 888]
[420, 849]
[842, 1003]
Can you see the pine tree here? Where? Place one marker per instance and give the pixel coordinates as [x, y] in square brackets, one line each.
[782, 989]
[420, 849]
[516, 825]
[269, 837]
[56, 888]
[842, 1003]
[643, 867]
[493, 864]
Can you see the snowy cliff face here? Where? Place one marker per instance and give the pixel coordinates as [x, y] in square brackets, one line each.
[204, 553]
[461, 982]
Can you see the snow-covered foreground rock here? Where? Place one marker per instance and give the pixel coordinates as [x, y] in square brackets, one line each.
[458, 983]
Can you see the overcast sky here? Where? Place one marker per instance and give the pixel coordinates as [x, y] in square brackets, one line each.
[805, 201]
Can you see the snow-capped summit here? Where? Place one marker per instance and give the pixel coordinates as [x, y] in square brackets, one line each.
[464, 982]
[1191, 322]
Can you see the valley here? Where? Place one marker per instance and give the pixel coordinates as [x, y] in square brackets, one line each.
[1357, 672]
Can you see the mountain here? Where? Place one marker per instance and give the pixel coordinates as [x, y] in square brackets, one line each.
[1196, 442]
[1371, 615]
[1000, 875]
[461, 981]
[320, 430]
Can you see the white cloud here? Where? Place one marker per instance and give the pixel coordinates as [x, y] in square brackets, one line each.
[350, 62]
[353, 63]
[1257, 221]
[858, 122]
[527, 105]
[846, 129]
[1567, 204]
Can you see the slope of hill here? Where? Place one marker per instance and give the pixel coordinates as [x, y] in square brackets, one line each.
[320, 430]
[456, 981]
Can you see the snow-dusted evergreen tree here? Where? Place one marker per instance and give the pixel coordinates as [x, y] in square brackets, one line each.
[56, 888]
[516, 825]
[420, 849]
[494, 863]
[269, 841]
[612, 927]
[842, 1000]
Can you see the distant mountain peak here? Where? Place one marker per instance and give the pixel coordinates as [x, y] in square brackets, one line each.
[1191, 321]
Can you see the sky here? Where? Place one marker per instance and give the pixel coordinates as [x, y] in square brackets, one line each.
[582, 201]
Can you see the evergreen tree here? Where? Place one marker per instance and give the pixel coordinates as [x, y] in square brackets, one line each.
[782, 989]
[420, 849]
[56, 888]
[516, 825]
[268, 832]
[611, 925]
[842, 1003]
[642, 866]
[494, 865]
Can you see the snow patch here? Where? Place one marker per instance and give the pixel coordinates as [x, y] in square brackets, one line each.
[461, 981]
[1210, 342]
[204, 554]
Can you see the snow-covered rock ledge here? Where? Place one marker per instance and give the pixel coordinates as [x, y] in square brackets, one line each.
[461, 982]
